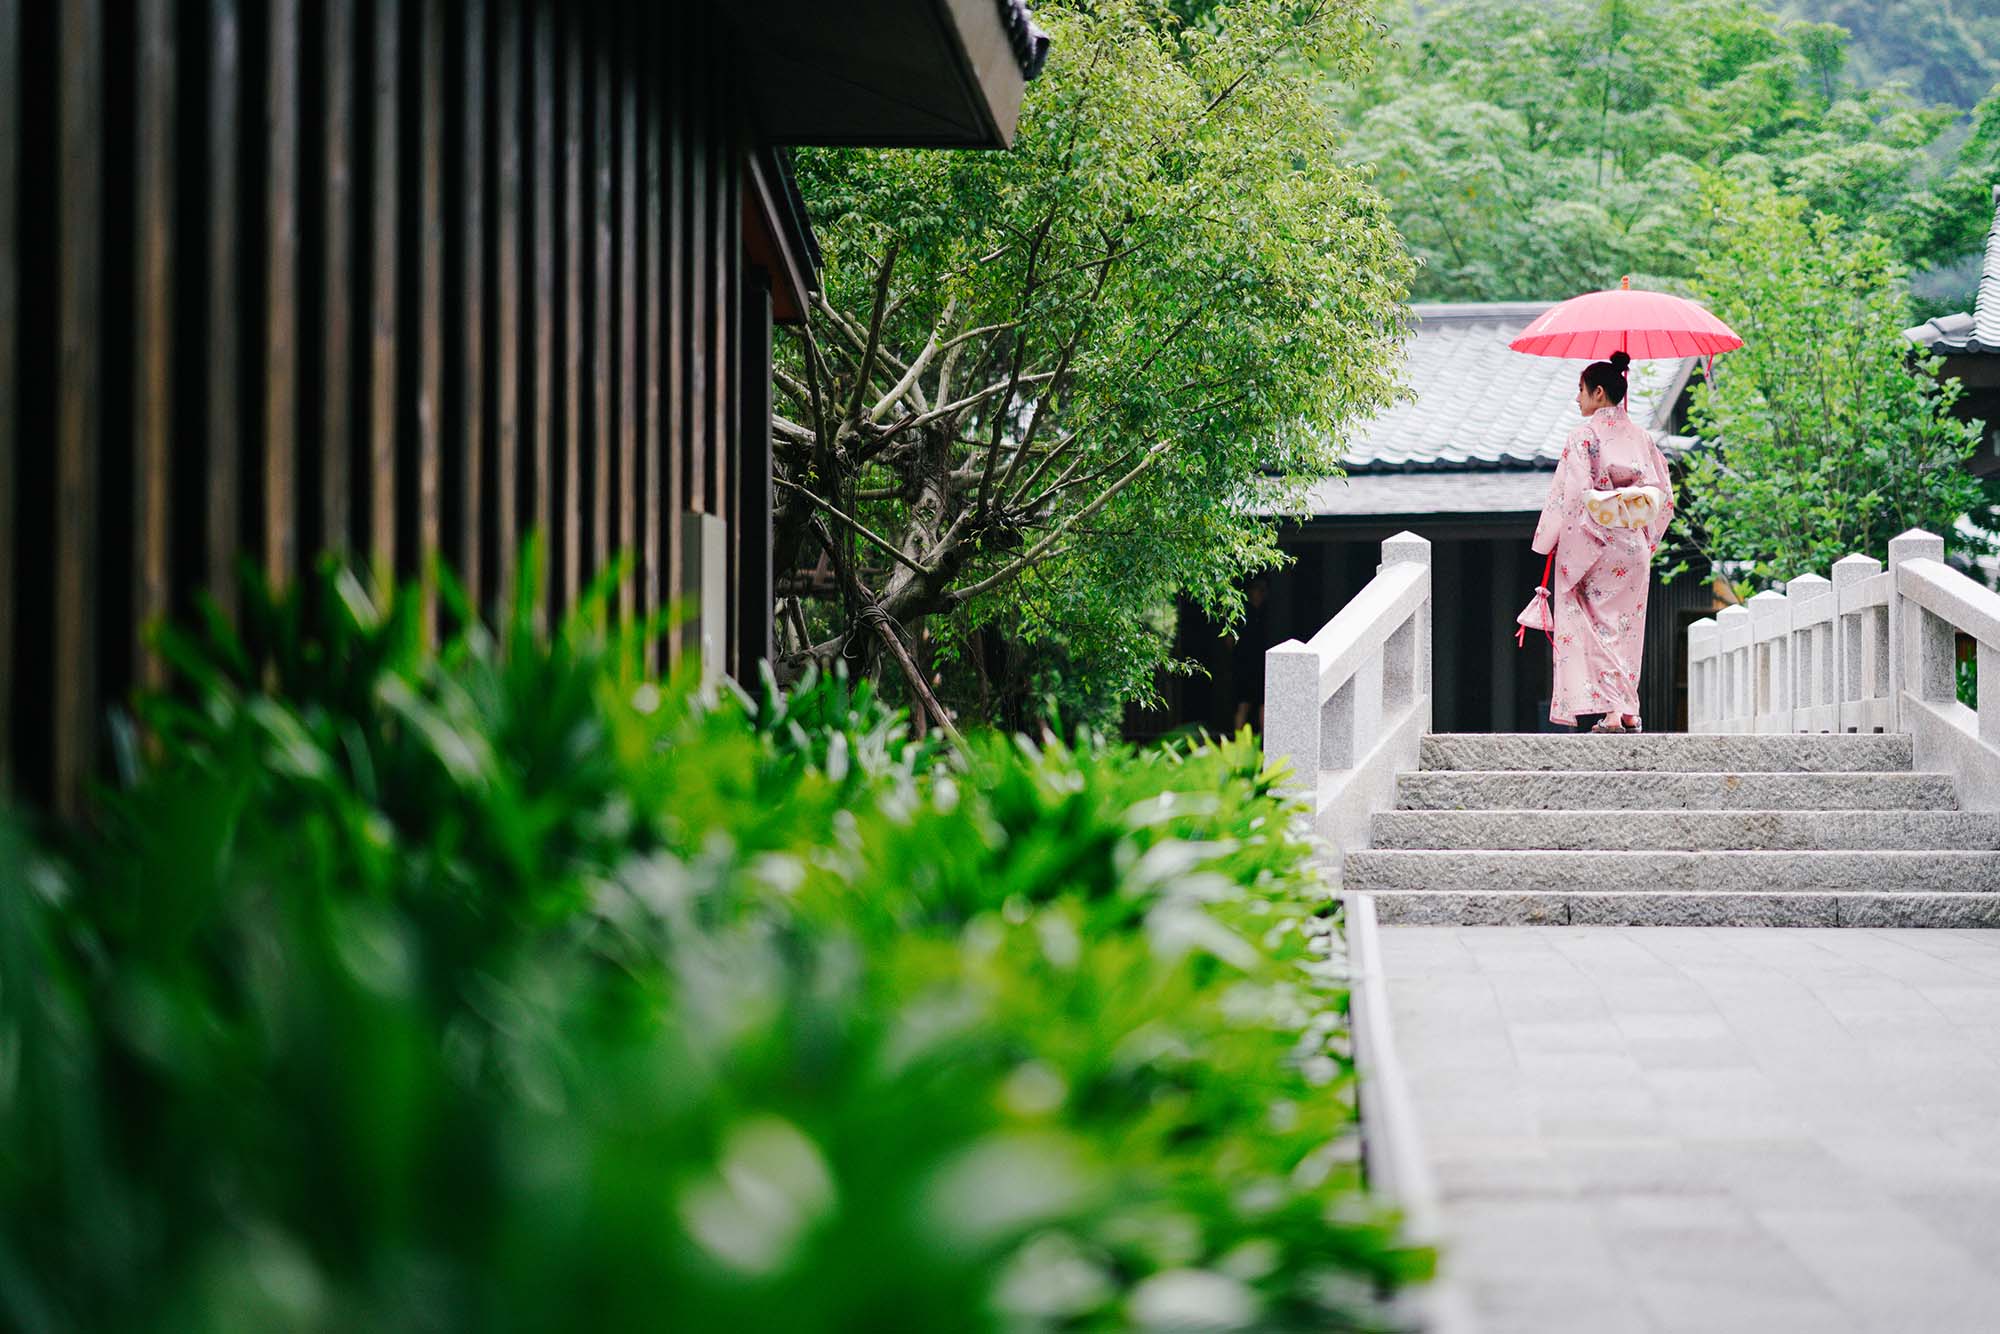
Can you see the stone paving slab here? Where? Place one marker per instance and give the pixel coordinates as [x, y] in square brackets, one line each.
[1702, 1129]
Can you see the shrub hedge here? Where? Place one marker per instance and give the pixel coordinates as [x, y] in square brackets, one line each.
[488, 986]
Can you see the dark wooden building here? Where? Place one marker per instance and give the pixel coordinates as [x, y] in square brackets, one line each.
[1466, 461]
[1969, 343]
[406, 277]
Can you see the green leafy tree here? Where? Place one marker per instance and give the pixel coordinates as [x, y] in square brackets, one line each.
[1826, 434]
[1046, 389]
[1529, 151]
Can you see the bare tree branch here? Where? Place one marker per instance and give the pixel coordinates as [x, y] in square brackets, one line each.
[960, 405]
[876, 314]
[854, 335]
[871, 613]
[1020, 355]
[855, 525]
[1035, 553]
[923, 359]
[1056, 451]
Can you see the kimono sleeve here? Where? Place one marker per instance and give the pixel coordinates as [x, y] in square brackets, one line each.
[1565, 495]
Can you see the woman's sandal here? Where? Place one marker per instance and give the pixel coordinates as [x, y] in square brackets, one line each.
[1605, 727]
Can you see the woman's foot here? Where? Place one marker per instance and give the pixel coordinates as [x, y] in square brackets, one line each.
[1608, 726]
[1632, 723]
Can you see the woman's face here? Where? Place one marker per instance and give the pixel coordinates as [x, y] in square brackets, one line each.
[1589, 399]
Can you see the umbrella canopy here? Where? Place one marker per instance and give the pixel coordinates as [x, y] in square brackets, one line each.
[1639, 323]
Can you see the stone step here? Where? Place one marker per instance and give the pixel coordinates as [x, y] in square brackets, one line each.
[1393, 871]
[1654, 791]
[1661, 752]
[1720, 908]
[1681, 873]
[1649, 831]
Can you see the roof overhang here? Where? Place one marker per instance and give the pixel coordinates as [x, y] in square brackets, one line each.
[1511, 491]
[776, 235]
[888, 73]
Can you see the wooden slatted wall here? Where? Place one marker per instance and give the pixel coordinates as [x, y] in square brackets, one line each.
[398, 277]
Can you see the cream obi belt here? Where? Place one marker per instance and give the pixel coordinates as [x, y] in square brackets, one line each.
[1625, 507]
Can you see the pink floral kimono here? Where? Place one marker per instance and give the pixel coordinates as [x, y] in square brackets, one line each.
[1602, 572]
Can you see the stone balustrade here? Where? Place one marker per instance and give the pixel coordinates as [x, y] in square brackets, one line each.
[1872, 650]
[1348, 708]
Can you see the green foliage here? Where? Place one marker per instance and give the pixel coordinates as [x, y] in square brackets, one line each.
[1828, 434]
[1183, 292]
[1531, 151]
[498, 989]
[1947, 50]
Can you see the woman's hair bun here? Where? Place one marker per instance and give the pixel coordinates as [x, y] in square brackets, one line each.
[1621, 360]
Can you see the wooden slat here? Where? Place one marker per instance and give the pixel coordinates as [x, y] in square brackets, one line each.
[281, 303]
[471, 317]
[80, 131]
[336, 281]
[721, 294]
[381, 450]
[699, 334]
[602, 350]
[626, 479]
[508, 331]
[10, 242]
[655, 446]
[430, 293]
[569, 513]
[152, 325]
[541, 375]
[675, 366]
[730, 453]
[753, 507]
[223, 521]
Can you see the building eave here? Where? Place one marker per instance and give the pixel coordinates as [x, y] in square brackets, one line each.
[777, 236]
[889, 73]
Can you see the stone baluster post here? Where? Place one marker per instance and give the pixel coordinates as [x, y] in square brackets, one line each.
[1914, 662]
[1406, 659]
[1852, 637]
[1732, 626]
[1702, 674]
[1770, 665]
[1812, 646]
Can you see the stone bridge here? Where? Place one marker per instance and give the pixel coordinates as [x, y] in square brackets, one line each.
[1830, 776]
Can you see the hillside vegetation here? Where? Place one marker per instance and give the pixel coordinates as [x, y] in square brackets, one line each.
[1946, 50]
[1528, 150]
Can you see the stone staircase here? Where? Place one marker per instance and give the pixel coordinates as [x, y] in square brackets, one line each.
[1677, 830]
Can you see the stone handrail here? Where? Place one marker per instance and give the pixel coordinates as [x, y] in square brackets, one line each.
[1348, 708]
[1875, 650]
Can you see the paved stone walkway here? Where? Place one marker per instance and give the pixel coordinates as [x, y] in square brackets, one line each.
[1718, 1129]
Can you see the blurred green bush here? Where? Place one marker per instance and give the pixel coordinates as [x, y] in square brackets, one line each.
[488, 986]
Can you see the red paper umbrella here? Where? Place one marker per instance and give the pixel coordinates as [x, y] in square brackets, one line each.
[1640, 324]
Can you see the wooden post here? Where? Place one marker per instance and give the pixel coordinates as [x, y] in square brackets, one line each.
[79, 387]
[281, 298]
[152, 331]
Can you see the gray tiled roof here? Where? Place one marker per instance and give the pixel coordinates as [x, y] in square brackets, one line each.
[1030, 43]
[1479, 404]
[1979, 331]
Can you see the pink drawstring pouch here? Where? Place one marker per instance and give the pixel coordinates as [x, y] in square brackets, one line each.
[1537, 615]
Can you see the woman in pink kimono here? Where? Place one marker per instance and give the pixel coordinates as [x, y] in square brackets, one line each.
[1607, 510]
